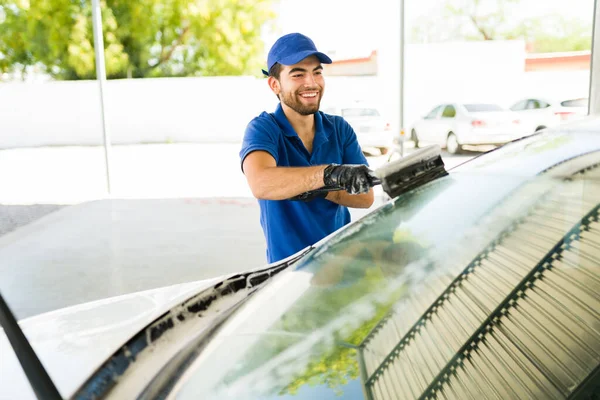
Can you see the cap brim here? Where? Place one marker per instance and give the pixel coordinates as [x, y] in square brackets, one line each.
[296, 58]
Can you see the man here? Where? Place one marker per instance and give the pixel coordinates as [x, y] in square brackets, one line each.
[288, 154]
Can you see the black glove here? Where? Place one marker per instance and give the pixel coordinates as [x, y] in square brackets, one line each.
[310, 195]
[354, 179]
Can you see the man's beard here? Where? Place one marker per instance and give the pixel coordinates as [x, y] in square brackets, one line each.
[290, 100]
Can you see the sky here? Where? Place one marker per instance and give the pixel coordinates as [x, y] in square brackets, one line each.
[355, 27]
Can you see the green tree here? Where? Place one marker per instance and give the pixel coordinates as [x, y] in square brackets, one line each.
[553, 33]
[142, 38]
[487, 18]
[496, 20]
[465, 20]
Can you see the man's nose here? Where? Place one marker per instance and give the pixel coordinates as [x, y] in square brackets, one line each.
[310, 80]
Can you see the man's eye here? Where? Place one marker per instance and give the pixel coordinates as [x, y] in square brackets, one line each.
[319, 72]
[297, 75]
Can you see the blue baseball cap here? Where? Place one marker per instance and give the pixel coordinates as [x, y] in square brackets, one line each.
[291, 49]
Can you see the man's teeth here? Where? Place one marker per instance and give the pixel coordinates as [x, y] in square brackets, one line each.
[308, 94]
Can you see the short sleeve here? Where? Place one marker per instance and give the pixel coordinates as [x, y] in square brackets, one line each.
[262, 133]
[353, 153]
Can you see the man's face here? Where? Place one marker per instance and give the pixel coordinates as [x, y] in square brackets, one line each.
[301, 86]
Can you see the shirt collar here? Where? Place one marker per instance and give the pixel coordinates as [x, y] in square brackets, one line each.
[321, 134]
[283, 122]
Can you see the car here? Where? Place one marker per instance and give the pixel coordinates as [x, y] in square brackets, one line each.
[372, 130]
[455, 125]
[537, 113]
[480, 283]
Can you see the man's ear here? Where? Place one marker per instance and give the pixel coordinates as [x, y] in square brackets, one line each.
[274, 85]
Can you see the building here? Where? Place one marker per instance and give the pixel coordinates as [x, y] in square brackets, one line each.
[362, 66]
[534, 62]
[567, 61]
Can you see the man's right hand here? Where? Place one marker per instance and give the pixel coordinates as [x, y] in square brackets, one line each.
[355, 179]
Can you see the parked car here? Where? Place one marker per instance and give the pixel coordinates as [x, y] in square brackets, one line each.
[538, 113]
[454, 125]
[483, 283]
[371, 128]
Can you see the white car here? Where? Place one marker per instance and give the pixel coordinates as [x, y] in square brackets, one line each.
[371, 128]
[479, 283]
[539, 113]
[454, 125]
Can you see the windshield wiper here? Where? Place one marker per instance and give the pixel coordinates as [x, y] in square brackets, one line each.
[38, 378]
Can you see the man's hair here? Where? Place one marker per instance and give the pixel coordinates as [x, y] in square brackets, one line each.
[275, 71]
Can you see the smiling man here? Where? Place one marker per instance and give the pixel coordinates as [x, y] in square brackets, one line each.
[288, 154]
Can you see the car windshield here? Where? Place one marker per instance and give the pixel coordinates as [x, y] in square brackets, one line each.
[360, 112]
[383, 308]
[482, 107]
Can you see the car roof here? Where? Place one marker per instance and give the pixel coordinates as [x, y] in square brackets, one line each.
[551, 100]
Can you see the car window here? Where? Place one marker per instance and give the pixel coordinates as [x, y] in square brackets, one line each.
[583, 102]
[360, 112]
[482, 107]
[434, 113]
[519, 106]
[543, 104]
[492, 292]
[533, 104]
[449, 112]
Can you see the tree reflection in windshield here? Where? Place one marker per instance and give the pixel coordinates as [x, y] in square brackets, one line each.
[351, 273]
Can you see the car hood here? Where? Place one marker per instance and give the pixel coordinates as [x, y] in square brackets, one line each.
[73, 342]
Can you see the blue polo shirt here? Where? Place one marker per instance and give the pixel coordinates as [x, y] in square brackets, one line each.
[290, 226]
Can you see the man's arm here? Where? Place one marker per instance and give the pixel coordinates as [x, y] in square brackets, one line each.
[346, 199]
[270, 182]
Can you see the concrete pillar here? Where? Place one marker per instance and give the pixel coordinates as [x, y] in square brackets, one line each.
[594, 107]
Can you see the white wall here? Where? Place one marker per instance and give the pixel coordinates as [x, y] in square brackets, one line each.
[137, 110]
[217, 109]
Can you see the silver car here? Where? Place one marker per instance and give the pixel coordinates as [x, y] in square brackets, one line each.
[371, 128]
[455, 125]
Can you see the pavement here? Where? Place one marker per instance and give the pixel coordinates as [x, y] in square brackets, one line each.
[175, 213]
[14, 216]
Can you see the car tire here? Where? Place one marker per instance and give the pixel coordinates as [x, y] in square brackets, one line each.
[414, 138]
[452, 144]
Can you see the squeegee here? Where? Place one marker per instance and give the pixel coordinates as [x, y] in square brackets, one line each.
[400, 176]
[407, 173]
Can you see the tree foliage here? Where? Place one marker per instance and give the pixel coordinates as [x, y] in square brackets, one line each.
[556, 33]
[330, 363]
[142, 38]
[359, 276]
[488, 18]
[499, 20]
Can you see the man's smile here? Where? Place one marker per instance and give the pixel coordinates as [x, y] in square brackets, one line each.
[308, 95]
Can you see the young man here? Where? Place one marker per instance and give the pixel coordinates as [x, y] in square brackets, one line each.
[288, 154]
